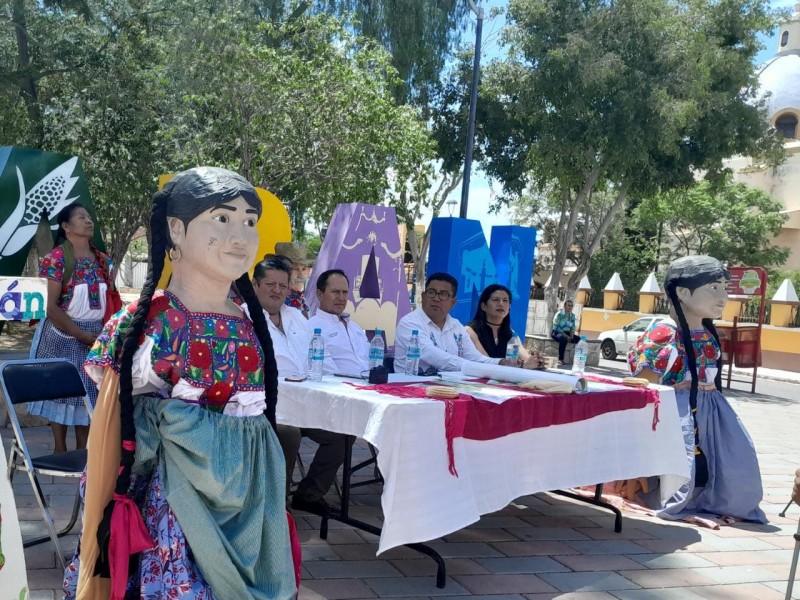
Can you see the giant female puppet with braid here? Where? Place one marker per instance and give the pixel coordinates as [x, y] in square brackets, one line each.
[725, 481]
[185, 474]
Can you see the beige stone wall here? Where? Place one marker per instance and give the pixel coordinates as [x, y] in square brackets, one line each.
[783, 183]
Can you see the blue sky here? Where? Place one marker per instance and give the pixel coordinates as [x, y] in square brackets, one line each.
[481, 192]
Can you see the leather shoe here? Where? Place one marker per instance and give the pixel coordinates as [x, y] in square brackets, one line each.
[315, 507]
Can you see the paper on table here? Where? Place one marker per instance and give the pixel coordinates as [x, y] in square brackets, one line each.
[515, 375]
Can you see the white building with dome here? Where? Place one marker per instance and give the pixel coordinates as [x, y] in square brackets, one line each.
[779, 81]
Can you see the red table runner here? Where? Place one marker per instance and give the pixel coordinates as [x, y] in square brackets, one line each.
[477, 419]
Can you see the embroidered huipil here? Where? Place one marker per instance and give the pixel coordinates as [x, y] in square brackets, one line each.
[661, 350]
[208, 358]
[83, 297]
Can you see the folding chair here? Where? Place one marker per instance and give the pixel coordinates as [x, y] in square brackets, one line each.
[796, 554]
[31, 380]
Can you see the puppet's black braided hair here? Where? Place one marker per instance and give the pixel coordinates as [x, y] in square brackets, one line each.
[692, 272]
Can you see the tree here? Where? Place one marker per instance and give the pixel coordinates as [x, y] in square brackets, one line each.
[301, 108]
[733, 222]
[418, 34]
[92, 88]
[630, 96]
[38, 55]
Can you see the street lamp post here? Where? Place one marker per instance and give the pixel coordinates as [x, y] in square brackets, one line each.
[473, 102]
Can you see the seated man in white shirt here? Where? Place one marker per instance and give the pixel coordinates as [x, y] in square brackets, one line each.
[291, 334]
[444, 344]
[346, 344]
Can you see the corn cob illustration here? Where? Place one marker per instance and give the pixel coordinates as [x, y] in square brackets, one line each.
[51, 194]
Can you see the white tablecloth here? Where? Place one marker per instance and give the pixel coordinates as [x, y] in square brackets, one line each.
[422, 501]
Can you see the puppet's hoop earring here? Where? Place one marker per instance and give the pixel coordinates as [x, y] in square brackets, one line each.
[175, 254]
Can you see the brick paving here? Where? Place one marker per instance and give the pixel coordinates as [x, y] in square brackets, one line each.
[539, 547]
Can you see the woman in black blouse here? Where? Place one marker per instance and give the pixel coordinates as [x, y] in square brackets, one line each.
[490, 329]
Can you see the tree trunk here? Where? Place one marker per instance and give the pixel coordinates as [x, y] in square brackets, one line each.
[27, 85]
[586, 258]
[570, 211]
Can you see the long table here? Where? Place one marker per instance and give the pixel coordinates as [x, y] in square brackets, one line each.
[422, 500]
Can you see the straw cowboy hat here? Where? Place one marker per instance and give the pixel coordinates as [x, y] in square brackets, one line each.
[294, 251]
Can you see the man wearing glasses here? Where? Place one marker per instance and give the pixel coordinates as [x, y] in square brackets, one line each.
[444, 344]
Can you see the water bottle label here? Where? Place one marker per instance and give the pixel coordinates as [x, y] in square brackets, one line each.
[413, 353]
[375, 354]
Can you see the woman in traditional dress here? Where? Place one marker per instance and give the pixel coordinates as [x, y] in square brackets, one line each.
[188, 387]
[725, 481]
[490, 329]
[78, 275]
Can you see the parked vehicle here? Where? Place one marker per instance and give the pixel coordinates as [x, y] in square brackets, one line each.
[619, 341]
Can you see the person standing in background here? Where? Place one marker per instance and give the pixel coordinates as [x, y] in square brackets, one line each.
[78, 275]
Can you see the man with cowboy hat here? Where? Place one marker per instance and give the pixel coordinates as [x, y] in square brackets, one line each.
[296, 252]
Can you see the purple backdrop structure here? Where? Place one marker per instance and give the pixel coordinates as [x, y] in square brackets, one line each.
[363, 241]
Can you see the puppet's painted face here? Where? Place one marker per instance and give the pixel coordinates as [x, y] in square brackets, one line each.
[220, 242]
[706, 302]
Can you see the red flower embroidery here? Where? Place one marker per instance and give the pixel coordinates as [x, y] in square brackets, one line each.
[221, 328]
[660, 334]
[157, 306]
[131, 308]
[162, 367]
[709, 351]
[176, 318]
[219, 393]
[46, 262]
[200, 355]
[661, 364]
[243, 379]
[678, 366]
[247, 356]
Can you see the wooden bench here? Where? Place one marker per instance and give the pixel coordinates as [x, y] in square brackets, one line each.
[546, 344]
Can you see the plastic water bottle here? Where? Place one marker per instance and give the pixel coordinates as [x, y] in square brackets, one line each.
[316, 356]
[376, 349]
[581, 354]
[512, 350]
[412, 354]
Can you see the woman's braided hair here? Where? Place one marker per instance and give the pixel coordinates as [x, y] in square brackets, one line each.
[187, 195]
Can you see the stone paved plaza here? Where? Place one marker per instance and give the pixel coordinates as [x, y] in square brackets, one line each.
[540, 547]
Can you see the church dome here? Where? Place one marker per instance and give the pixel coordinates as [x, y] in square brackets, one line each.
[779, 79]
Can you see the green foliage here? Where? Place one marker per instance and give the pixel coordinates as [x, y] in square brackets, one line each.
[296, 102]
[418, 34]
[731, 221]
[308, 115]
[631, 97]
[639, 91]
